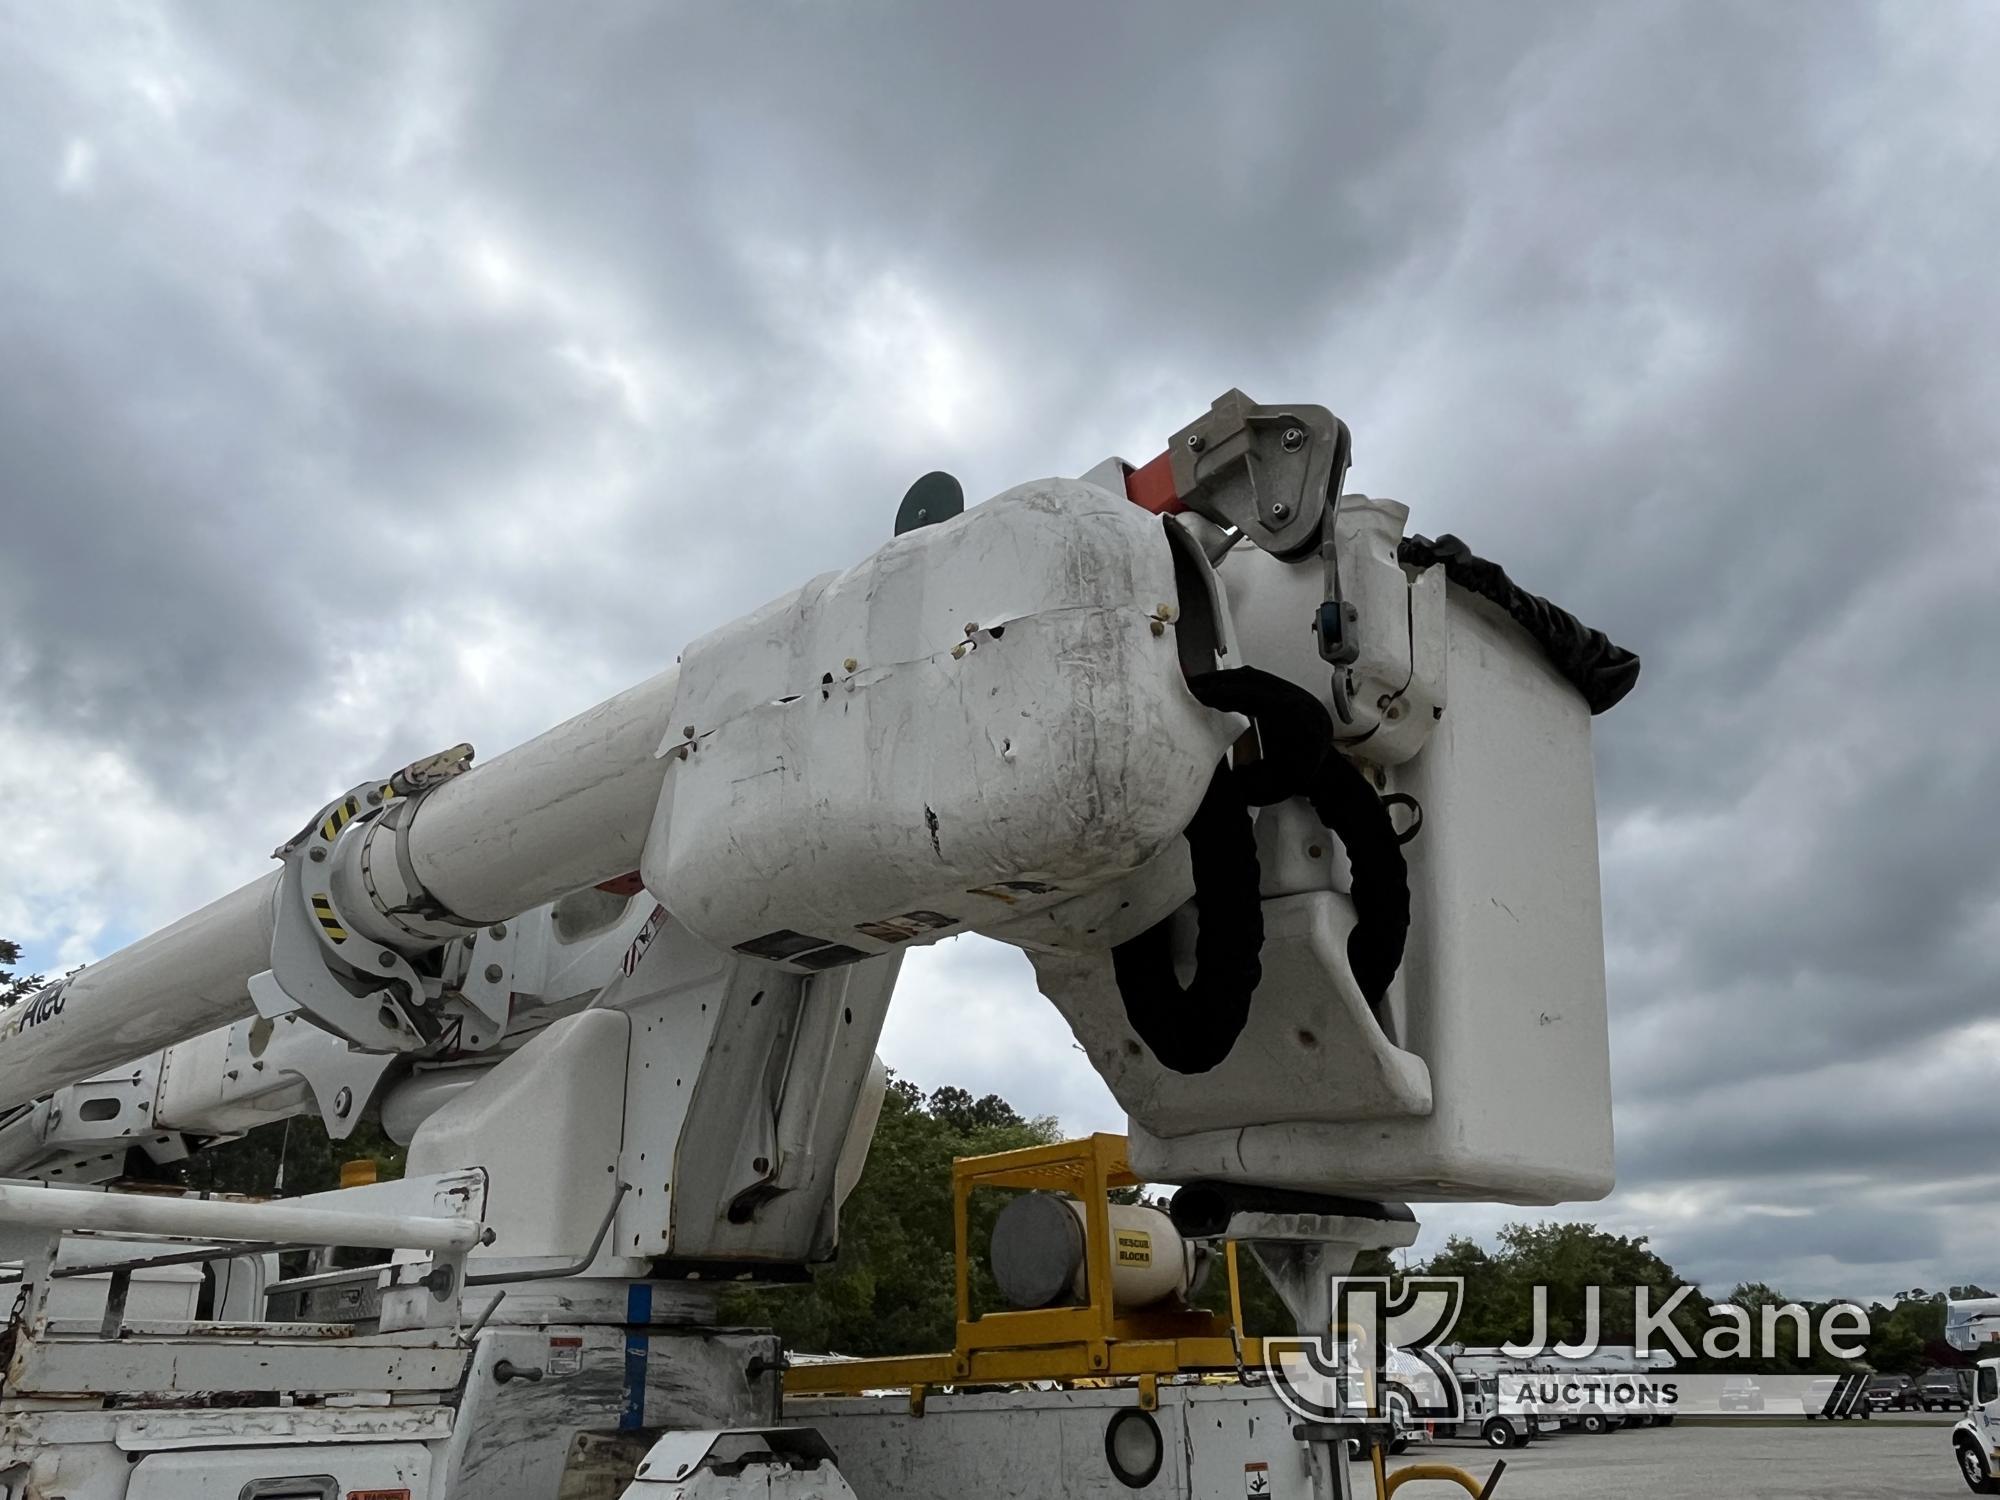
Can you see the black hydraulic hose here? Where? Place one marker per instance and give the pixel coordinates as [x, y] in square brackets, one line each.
[1345, 802]
[1600, 670]
[1294, 731]
[1192, 1028]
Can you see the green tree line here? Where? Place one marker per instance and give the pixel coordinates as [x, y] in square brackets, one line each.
[890, 1290]
[15, 985]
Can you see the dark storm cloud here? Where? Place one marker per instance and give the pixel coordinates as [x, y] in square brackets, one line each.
[1887, 1114]
[571, 334]
[1863, 1242]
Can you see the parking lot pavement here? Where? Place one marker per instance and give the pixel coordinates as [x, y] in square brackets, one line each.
[1840, 1461]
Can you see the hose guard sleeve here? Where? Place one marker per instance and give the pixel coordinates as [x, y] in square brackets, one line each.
[1602, 672]
[1343, 800]
[1192, 1029]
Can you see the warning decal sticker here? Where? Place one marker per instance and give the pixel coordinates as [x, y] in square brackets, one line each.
[644, 940]
[910, 924]
[1011, 891]
[565, 1356]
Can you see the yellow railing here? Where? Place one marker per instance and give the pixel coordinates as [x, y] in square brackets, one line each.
[1091, 1340]
[1089, 1343]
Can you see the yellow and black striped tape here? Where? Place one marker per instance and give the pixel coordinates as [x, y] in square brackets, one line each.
[338, 819]
[323, 909]
[348, 811]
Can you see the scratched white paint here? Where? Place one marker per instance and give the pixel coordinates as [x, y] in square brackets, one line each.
[985, 718]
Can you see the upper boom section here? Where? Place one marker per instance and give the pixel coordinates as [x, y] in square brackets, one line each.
[1300, 834]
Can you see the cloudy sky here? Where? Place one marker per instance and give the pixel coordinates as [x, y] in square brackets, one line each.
[378, 377]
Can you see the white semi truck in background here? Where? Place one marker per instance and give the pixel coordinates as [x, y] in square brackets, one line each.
[1292, 813]
[1588, 1393]
[1972, 1326]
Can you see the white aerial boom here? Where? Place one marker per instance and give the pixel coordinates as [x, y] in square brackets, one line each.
[560, 813]
[1292, 813]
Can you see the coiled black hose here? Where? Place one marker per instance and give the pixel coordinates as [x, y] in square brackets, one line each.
[1191, 1029]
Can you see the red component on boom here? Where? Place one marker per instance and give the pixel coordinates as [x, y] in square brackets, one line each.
[1152, 487]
